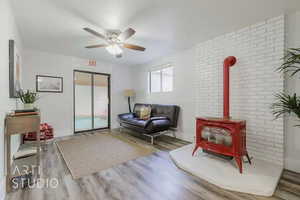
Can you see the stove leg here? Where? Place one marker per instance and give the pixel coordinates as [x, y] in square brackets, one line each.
[248, 158]
[239, 163]
[195, 149]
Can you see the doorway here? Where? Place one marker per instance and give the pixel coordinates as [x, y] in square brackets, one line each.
[91, 101]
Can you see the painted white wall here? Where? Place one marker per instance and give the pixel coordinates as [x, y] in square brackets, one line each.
[57, 108]
[198, 84]
[182, 95]
[292, 136]
[8, 31]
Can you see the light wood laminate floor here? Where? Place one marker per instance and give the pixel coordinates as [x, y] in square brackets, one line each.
[154, 177]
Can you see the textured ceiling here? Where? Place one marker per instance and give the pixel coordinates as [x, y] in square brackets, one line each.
[163, 27]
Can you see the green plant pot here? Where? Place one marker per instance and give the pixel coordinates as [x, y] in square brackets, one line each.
[28, 106]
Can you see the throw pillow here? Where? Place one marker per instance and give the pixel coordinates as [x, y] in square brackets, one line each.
[145, 113]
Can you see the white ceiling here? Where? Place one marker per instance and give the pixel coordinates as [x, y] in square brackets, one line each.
[163, 26]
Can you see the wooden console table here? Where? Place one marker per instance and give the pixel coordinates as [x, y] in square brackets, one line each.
[20, 125]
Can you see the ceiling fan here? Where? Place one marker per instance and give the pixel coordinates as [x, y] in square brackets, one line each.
[114, 40]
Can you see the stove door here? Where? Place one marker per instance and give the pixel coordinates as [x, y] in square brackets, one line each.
[216, 135]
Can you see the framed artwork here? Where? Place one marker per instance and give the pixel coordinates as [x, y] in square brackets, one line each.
[14, 70]
[49, 84]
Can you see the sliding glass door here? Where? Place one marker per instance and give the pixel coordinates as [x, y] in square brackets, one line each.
[91, 101]
[101, 100]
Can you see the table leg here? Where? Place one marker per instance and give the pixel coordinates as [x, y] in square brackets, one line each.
[8, 164]
[38, 146]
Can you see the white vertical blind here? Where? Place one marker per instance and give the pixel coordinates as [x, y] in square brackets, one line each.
[161, 80]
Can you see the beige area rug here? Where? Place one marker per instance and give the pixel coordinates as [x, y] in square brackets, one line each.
[92, 153]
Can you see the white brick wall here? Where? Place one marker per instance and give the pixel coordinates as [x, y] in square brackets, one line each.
[254, 82]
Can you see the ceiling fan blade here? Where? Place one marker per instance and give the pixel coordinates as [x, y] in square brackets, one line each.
[134, 47]
[94, 33]
[126, 34]
[96, 46]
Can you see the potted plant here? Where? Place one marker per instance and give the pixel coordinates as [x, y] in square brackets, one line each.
[28, 98]
[285, 103]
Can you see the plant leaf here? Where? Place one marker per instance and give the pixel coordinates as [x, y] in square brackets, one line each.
[292, 62]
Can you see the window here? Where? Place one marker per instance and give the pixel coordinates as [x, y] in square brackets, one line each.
[155, 81]
[167, 79]
[161, 80]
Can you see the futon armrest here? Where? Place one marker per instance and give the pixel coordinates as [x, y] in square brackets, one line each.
[149, 121]
[126, 116]
[158, 118]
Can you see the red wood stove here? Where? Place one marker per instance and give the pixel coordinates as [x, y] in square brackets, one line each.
[223, 135]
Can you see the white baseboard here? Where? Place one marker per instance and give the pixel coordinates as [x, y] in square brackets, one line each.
[2, 188]
[292, 164]
[62, 133]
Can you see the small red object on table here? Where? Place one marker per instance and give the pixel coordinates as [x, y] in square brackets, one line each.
[46, 133]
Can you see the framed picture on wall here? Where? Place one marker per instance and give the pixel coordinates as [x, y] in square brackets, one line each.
[49, 84]
[14, 70]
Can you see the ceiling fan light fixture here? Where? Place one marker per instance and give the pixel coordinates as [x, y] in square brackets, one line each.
[114, 49]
